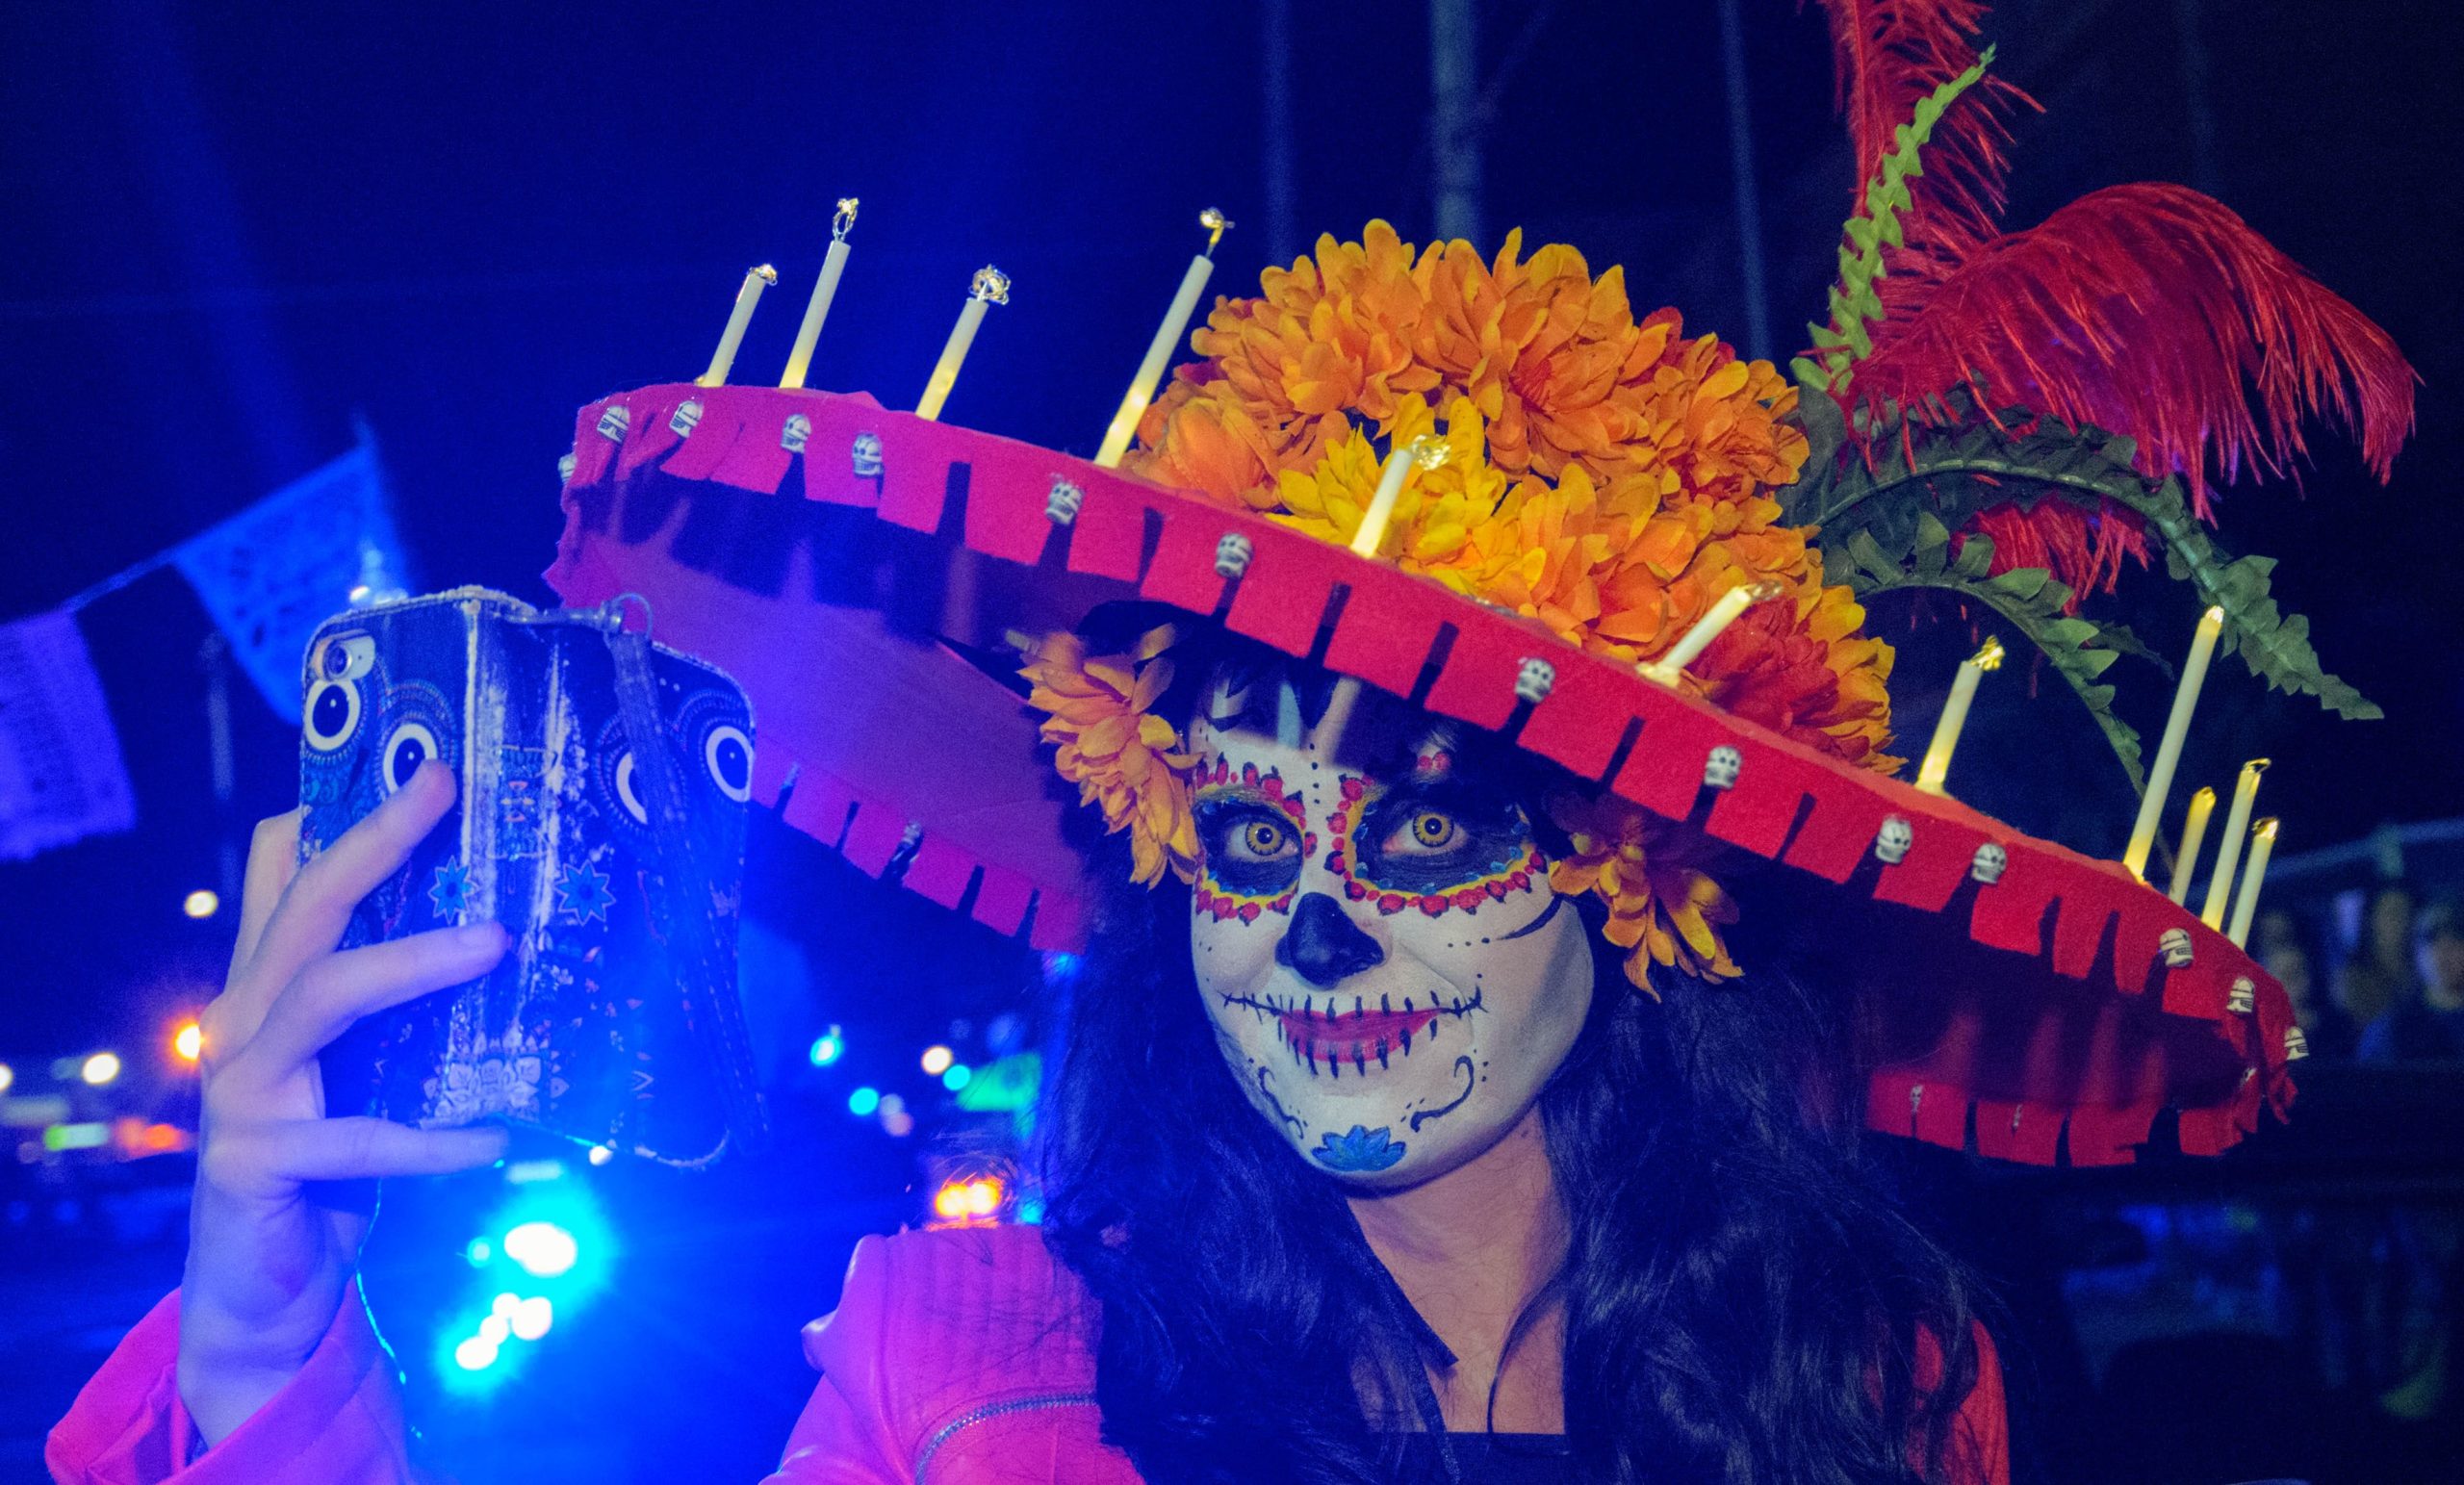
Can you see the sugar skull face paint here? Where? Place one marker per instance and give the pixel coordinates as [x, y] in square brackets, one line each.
[1374, 937]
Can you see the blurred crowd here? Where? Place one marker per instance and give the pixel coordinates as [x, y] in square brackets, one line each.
[2394, 991]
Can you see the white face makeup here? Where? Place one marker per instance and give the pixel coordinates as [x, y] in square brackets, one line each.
[1388, 971]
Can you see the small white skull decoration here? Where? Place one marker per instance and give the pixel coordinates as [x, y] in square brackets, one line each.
[2244, 997]
[795, 433]
[2296, 1046]
[1232, 555]
[2174, 943]
[1891, 843]
[613, 422]
[1989, 863]
[1721, 768]
[1061, 506]
[565, 469]
[688, 416]
[866, 455]
[1533, 681]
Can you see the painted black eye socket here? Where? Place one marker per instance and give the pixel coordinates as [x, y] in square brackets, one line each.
[1251, 848]
[332, 714]
[727, 753]
[1431, 843]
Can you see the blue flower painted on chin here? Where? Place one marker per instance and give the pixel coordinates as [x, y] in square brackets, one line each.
[1364, 1149]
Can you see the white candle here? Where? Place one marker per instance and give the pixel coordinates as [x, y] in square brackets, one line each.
[2228, 851]
[832, 264]
[1946, 732]
[1159, 350]
[2194, 835]
[2246, 903]
[2168, 752]
[755, 279]
[1668, 668]
[1428, 452]
[989, 285]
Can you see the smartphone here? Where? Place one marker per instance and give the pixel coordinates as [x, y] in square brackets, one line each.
[603, 782]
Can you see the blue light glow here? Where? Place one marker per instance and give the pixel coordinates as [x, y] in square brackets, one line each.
[542, 1248]
[958, 1076]
[863, 1101]
[828, 1048]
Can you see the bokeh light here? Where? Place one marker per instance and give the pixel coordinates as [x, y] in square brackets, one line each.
[532, 1318]
[8, 1077]
[189, 1041]
[938, 1060]
[827, 1047]
[542, 1248]
[100, 1069]
[957, 1075]
[474, 1354]
[601, 1155]
[201, 904]
[863, 1101]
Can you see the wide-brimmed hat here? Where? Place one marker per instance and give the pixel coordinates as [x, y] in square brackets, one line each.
[873, 578]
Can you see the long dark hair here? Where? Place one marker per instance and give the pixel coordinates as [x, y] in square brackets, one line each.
[1743, 1305]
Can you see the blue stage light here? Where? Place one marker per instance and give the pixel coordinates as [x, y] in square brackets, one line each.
[827, 1047]
[862, 1102]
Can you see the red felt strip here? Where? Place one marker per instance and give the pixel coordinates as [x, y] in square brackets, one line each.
[651, 428]
[592, 453]
[1584, 717]
[1109, 538]
[1001, 902]
[2010, 915]
[1664, 773]
[1385, 639]
[1943, 857]
[1183, 572]
[1008, 488]
[1060, 922]
[939, 870]
[1476, 682]
[711, 440]
[819, 807]
[1282, 599]
[874, 838]
[760, 458]
[2106, 1136]
[1942, 1115]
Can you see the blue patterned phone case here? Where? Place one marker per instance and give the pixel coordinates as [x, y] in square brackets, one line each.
[601, 820]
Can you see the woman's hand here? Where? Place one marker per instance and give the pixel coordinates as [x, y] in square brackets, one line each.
[268, 1261]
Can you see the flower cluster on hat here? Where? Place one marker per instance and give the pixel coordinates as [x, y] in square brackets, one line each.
[1662, 908]
[1127, 761]
[1607, 478]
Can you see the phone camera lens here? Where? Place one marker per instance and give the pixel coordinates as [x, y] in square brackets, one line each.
[336, 660]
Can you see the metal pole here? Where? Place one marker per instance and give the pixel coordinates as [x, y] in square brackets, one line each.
[1453, 119]
[1748, 194]
[1275, 137]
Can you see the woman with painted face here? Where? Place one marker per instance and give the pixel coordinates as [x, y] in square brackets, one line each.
[1503, 922]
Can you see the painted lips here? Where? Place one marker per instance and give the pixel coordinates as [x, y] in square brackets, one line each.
[1353, 1037]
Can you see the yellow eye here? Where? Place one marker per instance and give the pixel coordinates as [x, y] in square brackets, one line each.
[1262, 840]
[1431, 830]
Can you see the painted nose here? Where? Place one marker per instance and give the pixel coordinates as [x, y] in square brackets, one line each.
[1322, 946]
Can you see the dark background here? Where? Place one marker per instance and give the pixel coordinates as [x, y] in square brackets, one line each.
[232, 230]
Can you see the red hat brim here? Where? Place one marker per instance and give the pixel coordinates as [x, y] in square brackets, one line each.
[2038, 1008]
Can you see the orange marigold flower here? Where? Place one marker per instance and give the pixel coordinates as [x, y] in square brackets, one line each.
[1608, 477]
[1125, 761]
[1664, 909]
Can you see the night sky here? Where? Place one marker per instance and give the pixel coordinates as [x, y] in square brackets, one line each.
[232, 229]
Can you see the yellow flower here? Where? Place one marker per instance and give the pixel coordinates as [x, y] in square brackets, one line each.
[1125, 761]
[1665, 910]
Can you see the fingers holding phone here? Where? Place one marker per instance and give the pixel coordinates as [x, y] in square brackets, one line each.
[267, 1266]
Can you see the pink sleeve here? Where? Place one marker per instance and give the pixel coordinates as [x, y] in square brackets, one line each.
[338, 1422]
[845, 1436]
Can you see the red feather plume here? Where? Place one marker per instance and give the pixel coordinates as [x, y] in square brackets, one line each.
[1887, 54]
[2150, 311]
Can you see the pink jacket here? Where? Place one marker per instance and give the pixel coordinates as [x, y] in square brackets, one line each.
[954, 1358]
